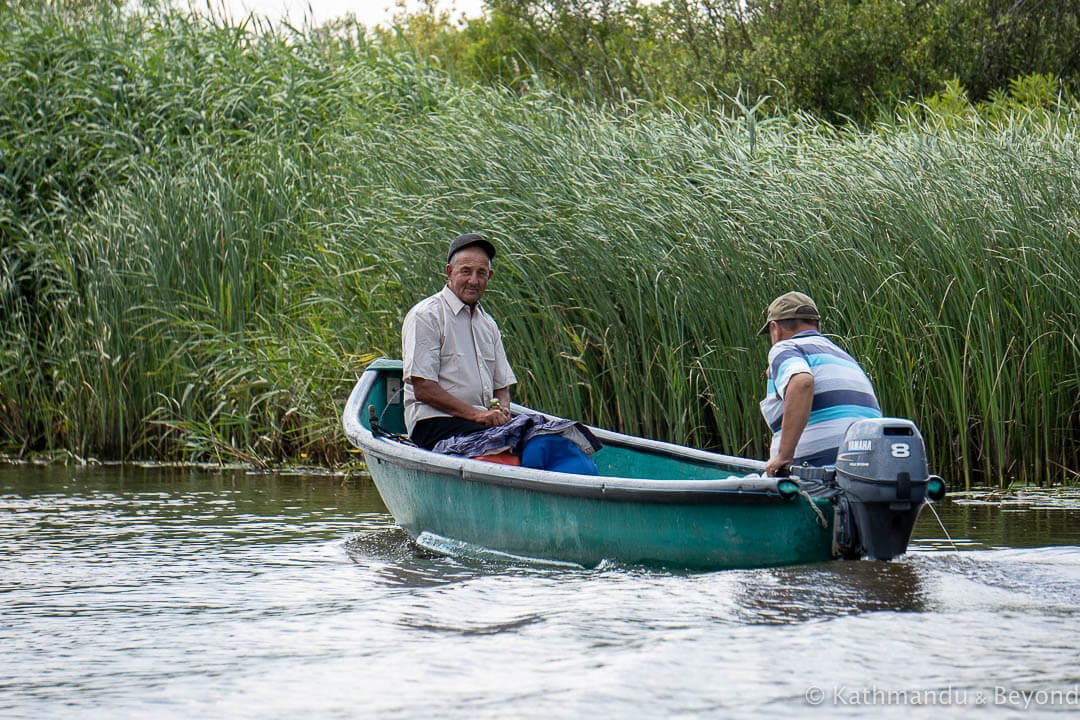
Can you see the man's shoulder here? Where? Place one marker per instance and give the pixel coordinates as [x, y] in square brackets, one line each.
[815, 348]
[430, 304]
[808, 342]
[789, 345]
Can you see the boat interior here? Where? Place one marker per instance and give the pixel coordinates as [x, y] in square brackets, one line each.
[622, 456]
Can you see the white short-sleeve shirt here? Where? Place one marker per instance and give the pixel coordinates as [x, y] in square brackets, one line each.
[457, 346]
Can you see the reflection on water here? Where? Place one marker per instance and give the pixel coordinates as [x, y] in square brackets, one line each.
[180, 593]
[786, 595]
[1028, 519]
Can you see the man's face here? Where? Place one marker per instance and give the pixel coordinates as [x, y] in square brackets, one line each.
[776, 333]
[468, 273]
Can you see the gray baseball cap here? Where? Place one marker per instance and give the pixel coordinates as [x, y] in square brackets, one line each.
[467, 240]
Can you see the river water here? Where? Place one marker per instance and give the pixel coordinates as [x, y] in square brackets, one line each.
[132, 592]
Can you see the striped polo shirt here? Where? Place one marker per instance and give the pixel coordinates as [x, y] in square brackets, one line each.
[842, 392]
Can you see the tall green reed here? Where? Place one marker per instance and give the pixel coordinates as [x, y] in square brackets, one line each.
[269, 207]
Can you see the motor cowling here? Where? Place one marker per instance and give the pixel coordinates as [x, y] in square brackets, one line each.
[882, 472]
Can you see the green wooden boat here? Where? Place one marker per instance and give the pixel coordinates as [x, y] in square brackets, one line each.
[653, 503]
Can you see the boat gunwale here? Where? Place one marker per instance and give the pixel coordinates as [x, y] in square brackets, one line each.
[731, 490]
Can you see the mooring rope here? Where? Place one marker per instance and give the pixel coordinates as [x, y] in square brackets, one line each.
[817, 511]
[942, 526]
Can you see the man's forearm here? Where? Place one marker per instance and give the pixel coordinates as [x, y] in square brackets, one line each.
[798, 401]
[432, 393]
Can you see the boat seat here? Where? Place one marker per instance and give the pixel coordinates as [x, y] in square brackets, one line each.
[391, 414]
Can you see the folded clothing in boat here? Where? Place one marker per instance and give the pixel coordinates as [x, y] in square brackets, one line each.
[549, 444]
[558, 453]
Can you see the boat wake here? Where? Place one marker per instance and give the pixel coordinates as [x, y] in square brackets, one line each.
[477, 553]
[384, 545]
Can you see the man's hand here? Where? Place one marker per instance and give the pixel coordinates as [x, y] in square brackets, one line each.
[778, 466]
[494, 417]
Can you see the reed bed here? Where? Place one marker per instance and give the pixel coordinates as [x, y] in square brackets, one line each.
[209, 232]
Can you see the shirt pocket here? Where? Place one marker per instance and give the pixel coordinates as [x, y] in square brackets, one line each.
[486, 340]
[451, 355]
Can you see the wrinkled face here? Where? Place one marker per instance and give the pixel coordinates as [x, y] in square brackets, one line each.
[468, 273]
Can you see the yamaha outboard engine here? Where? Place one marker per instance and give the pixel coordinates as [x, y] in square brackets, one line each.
[882, 472]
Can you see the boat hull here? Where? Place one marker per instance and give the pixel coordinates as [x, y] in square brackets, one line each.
[735, 532]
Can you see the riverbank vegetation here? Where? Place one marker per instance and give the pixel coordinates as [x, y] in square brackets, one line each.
[207, 232]
[836, 59]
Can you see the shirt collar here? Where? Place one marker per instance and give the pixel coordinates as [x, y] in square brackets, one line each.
[453, 301]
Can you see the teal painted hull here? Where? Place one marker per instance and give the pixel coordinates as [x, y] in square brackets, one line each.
[587, 531]
[654, 503]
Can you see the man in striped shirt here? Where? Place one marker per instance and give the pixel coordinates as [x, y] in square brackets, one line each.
[815, 389]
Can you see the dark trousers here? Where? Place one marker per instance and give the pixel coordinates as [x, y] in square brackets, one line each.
[426, 433]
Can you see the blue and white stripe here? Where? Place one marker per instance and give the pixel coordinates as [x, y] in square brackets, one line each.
[842, 391]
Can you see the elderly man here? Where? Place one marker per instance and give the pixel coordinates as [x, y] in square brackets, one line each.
[815, 389]
[454, 363]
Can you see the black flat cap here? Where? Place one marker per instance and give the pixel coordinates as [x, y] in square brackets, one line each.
[469, 239]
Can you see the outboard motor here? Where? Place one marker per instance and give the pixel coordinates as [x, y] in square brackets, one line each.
[882, 472]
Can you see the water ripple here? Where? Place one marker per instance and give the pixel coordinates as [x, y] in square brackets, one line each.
[173, 595]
